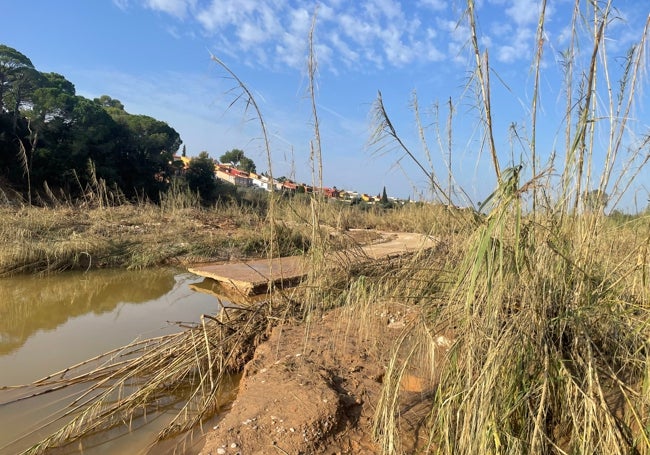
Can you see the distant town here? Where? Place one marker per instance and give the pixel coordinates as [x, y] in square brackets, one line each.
[240, 178]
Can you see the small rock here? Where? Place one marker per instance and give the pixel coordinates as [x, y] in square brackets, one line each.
[221, 451]
[233, 445]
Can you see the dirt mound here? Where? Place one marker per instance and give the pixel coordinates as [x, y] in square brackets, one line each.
[313, 390]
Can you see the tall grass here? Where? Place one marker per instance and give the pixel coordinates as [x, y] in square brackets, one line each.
[549, 306]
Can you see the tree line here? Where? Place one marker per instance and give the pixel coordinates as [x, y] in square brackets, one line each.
[52, 139]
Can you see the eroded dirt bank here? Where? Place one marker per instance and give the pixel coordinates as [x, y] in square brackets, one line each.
[314, 390]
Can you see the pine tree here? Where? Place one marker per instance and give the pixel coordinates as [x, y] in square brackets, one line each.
[384, 197]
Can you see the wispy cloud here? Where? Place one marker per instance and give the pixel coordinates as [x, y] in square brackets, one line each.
[177, 8]
[367, 35]
[524, 12]
[373, 33]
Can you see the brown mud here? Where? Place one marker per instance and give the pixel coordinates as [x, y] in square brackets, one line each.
[313, 389]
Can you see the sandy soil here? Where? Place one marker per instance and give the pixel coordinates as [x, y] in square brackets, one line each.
[313, 390]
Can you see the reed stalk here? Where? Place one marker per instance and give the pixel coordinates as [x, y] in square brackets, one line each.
[549, 352]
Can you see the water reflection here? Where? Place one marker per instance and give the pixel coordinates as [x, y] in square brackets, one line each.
[50, 323]
[225, 295]
[29, 304]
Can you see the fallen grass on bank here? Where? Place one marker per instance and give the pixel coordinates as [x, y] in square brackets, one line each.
[53, 239]
[69, 237]
[145, 377]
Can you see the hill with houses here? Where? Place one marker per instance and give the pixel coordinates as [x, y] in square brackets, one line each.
[239, 178]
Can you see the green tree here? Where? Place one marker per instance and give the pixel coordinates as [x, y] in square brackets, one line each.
[200, 176]
[55, 134]
[384, 197]
[238, 158]
[145, 152]
[18, 77]
[72, 132]
[109, 103]
[53, 98]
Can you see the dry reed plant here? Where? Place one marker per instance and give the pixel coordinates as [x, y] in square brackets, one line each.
[548, 307]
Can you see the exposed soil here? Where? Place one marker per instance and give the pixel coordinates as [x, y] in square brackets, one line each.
[314, 389]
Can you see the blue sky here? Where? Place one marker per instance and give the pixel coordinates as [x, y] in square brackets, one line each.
[154, 56]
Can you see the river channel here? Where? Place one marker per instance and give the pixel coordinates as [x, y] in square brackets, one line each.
[50, 323]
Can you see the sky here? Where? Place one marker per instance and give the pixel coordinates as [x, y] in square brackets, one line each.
[155, 56]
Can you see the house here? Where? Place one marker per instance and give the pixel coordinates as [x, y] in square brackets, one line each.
[261, 181]
[232, 175]
[330, 192]
[180, 164]
[288, 185]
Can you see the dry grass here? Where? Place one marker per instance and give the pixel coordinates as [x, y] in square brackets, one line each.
[52, 239]
[549, 308]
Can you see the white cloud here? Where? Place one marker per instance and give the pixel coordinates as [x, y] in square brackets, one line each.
[524, 12]
[397, 53]
[222, 13]
[519, 47]
[251, 34]
[178, 8]
[293, 47]
[458, 37]
[348, 55]
[121, 4]
[388, 8]
[436, 5]
[367, 34]
[501, 29]
[362, 32]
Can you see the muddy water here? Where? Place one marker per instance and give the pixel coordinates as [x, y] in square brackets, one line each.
[50, 323]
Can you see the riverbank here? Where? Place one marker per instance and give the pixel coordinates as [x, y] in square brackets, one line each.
[314, 388]
[136, 236]
[529, 327]
[54, 239]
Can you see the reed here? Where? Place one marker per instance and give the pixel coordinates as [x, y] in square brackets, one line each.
[547, 307]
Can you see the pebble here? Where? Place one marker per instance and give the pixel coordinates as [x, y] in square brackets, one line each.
[221, 451]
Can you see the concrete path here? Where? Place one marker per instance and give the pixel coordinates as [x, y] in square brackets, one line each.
[253, 277]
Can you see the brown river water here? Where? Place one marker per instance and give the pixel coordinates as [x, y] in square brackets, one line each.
[53, 322]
